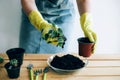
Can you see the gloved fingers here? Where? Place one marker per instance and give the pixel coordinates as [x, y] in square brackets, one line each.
[94, 48]
[57, 39]
[52, 40]
[53, 34]
[94, 36]
[90, 36]
[54, 43]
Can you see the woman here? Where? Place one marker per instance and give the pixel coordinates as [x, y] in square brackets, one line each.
[47, 25]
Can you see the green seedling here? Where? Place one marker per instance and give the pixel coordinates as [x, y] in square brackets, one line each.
[13, 63]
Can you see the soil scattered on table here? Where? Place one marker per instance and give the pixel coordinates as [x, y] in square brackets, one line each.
[68, 62]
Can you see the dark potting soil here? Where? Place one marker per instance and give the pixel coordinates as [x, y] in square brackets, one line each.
[68, 62]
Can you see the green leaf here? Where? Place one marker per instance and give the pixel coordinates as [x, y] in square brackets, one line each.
[54, 34]
[14, 62]
[60, 45]
[46, 36]
[50, 31]
[60, 30]
[60, 39]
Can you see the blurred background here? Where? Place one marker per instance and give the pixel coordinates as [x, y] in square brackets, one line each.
[106, 16]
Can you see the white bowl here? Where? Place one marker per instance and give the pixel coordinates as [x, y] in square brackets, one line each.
[49, 60]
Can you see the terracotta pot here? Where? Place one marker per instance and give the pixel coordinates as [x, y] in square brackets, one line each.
[85, 47]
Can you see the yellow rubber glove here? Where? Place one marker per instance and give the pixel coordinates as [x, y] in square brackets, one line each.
[86, 24]
[50, 32]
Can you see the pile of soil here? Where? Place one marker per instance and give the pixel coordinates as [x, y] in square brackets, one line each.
[68, 62]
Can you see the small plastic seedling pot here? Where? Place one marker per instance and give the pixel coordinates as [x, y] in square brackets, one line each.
[16, 53]
[13, 72]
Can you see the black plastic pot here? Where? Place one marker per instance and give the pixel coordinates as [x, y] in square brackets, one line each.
[16, 53]
[13, 72]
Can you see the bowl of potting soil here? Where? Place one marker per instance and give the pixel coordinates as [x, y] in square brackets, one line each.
[66, 63]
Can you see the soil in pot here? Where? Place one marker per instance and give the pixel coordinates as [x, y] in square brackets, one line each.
[14, 72]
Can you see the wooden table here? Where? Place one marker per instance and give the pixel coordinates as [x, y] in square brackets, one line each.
[100, 67]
